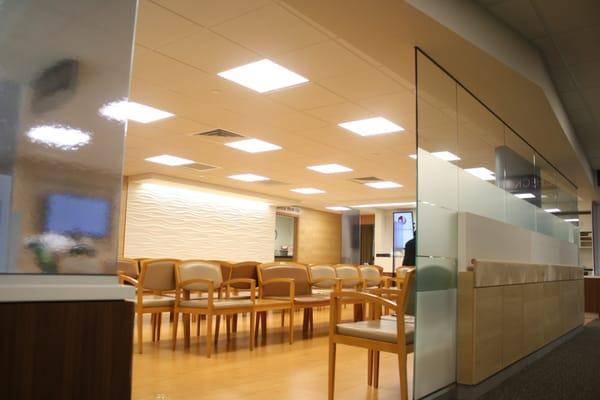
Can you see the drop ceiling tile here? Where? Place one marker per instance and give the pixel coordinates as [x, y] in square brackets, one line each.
[209, 52]
[342, 112]
[157, 25]
[210, 12]
[561, 16]
[361, 85]
[322, 60]
[158, 69]
[579, 46]
[167, 128]
[306, 96]
[398, 107]
[270, 30]
[521, 16]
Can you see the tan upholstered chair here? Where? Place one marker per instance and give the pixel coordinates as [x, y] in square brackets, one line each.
[203, 276]
[128, 267]
[349, 275]
[376, 334]
[241, 270]
[157, 276]
[372, 276]
[323, 278]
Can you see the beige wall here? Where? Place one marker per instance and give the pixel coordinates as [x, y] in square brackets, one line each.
[319, 237]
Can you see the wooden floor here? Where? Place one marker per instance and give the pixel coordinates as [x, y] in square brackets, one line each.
[275, 370]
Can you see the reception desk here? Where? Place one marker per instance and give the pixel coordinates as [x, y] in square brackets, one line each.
[507, 311]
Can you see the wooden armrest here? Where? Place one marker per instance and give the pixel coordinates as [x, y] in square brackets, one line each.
[126, 278]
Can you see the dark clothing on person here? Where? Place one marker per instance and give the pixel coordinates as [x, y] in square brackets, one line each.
[409, 253]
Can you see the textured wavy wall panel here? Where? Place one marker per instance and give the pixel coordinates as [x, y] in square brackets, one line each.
[169, 224]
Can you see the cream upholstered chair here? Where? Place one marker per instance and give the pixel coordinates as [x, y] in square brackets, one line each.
[372, 276]
[349, 276]
[323, 278]
[203, 276]
[376, 334]
[157, 276]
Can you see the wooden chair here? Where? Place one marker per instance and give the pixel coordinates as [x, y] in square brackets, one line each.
[372, 276]
[350, 279]
[127, 267]
[203, 276]
[323, 278]
[241, 270]
[157, 276]
[375, 334]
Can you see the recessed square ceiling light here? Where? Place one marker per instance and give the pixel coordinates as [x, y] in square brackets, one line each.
[307, 190]
[124, 110]
[263, 76]
[58, 136]
[171, 161]
[482, 173]
[338, 208]
[329, 168]
[253, 145]
[413, 156]
[384, 185]
[572, 220]
[446, 156]
[249, 178]
[371, 126]
[525, 195]
[552, 210]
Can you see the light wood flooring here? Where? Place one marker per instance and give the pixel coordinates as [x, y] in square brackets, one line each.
[275, 370]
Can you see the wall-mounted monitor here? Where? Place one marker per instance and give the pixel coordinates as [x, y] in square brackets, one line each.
[67, 214]
[403, 228]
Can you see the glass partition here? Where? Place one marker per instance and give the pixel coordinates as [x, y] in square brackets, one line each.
[469, 161]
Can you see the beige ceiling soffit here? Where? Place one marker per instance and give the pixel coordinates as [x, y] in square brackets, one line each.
[490, 35]
[220, 188]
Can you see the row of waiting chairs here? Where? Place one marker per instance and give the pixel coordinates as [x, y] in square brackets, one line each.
[215, 288]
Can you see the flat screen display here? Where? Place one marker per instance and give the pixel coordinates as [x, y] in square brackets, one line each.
[403, 229]
[67, 214]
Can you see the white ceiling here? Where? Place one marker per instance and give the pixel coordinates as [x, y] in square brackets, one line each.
[180, 47]
[568, 35]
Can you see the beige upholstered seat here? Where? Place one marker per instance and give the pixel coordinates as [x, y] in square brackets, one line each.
[371, 275]
[204, 276]
[323, 276]
[156, 301]
[383, 329]
[349, 276]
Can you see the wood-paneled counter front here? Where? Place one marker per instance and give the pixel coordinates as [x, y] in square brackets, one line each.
[507, 311]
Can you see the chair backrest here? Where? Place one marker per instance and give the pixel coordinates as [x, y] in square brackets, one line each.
[244, 270]
[128, 267]
[323, 271]
[199, 269]
[158, 274]
[401, 296]
[350, 273]
[297, 272]
[371, 274]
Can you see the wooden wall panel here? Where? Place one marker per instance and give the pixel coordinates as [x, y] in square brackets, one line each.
[464, 335]
[512, 324]
[533, 317]
[552, 314]
[487, 334]
[319, 237]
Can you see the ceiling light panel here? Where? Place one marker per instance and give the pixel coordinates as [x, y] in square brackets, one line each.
[384, 185]
[58, 136]
[413, 156]
[371, 126]
[552, 210]
[307, 190]
[481, 173]
[525, 195]
[572, 220]
[338, 208]
[253, 145]
[263, 76]
[446, 156]
[171, 161]
[128, 110]
[248, 178]
[329, 168]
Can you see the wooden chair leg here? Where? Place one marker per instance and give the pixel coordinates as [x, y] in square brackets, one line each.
[140, 327]
[403, 376]
[171, 316]
[228, 326]
[263, 326]
[331, 385]
[153, 326]
[291, 325]
[208, 335]
[198, 323]
[311, 320]
[186, 330]
[158, 326]
[370, 368]
[217, 327]
[282, 318]
[251, 332]
[175, 322]
[375, 369]
[257, 323]
[305, 318]
[234, 323]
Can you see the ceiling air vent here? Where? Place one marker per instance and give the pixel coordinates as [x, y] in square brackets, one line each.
[219, 133]
[199, 167]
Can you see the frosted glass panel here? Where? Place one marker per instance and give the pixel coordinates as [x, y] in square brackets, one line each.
[480, 197]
